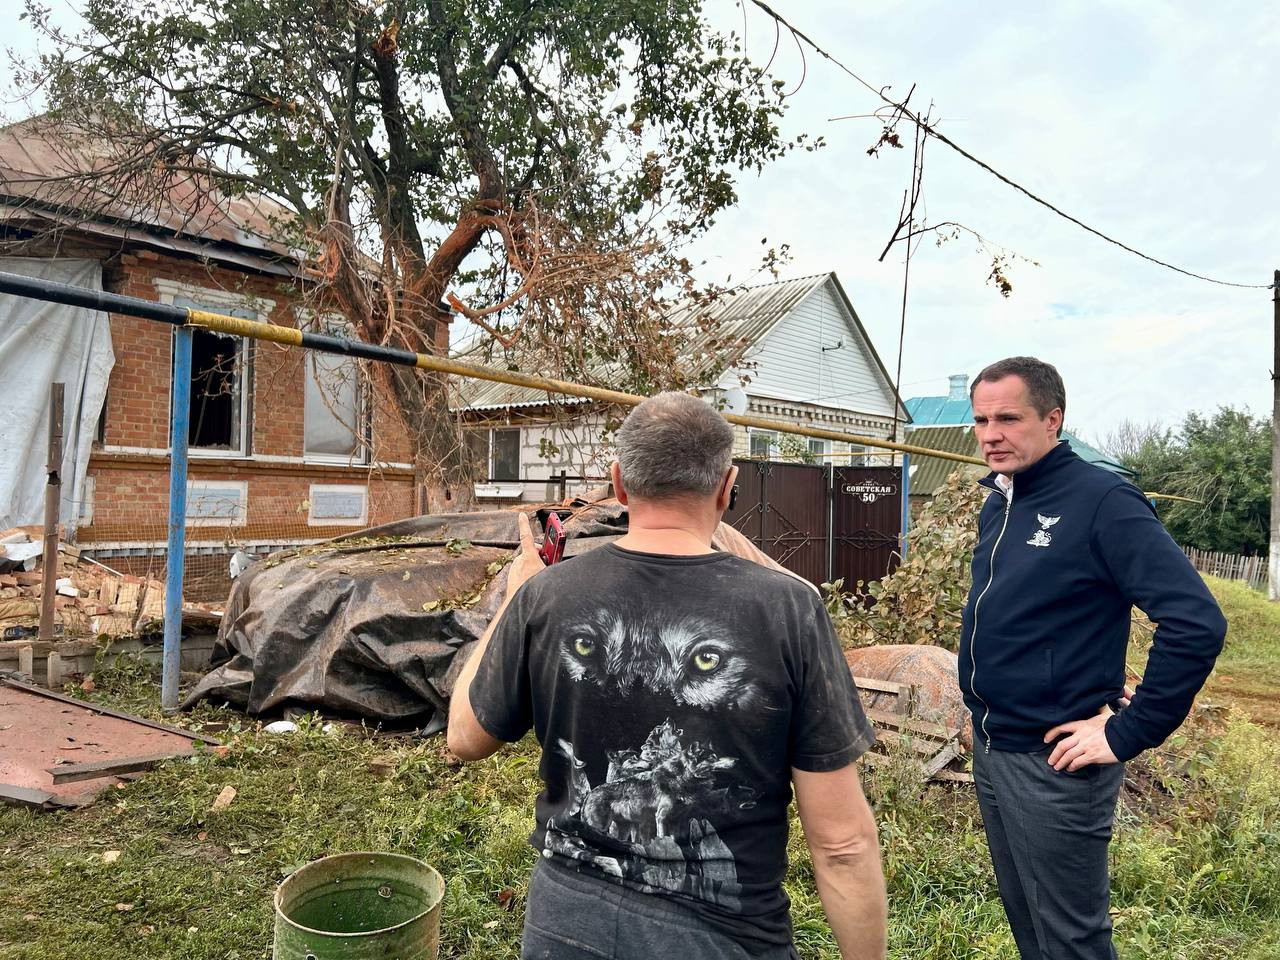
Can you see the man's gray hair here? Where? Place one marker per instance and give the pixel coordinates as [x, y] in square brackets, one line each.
[674, 445]
[1045, 389]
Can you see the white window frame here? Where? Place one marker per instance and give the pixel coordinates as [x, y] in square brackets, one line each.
[819, 455]
[309, 320]
[241, 487]
[773, 435]
[361, 521]
[501, 489]
[171, 290]
[855, 456]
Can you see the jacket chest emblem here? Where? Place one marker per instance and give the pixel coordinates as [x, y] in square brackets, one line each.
[1041, 537]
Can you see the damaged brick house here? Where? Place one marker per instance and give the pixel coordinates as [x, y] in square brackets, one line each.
[285, 445]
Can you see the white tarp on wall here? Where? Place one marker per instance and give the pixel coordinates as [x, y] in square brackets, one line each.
[43, 343]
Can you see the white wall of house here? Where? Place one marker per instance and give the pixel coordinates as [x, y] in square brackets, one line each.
[546, 449]
[790, 362]
[813, 415]
[791, 378]
[576, 447]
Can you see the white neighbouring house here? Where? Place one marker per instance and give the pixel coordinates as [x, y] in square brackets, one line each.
[801, 356]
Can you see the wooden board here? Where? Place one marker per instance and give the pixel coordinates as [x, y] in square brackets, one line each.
[911, 725]
[68, 772]
[904, 693]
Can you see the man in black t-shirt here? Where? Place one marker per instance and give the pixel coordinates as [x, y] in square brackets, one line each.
[679, 694]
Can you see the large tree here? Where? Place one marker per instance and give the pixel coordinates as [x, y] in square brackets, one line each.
[1222, 463]
[532, 164]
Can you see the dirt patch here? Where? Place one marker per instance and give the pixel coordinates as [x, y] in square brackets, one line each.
[1258, 697]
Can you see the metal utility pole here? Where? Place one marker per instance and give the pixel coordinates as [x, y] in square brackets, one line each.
[52, 503]
[1273, 578]
[174, 557]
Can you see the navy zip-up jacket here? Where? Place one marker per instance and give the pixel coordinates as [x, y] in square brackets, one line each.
[1056, 570]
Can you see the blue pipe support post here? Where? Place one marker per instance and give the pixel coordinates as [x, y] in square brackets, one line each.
[180, 425]
[906, 502]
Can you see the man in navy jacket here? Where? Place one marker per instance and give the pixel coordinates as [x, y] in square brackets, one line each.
[1065, 550]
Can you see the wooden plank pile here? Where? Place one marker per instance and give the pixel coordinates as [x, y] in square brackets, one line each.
[93, 600]
[937, 748]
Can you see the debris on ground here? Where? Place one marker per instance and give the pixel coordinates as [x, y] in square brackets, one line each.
[376, 625]
[370, 625]
[911, 696]
[224, 798]
[93, 600]
[60, 752]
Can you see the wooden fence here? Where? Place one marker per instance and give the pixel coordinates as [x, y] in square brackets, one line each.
[1252, 570]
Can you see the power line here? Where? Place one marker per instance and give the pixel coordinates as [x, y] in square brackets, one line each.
[932, 131]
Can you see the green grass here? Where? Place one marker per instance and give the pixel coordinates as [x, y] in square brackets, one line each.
[1246, 676]
[1196, 861]
[1248, 671]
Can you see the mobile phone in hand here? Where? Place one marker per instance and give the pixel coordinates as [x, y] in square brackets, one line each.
[552, 549]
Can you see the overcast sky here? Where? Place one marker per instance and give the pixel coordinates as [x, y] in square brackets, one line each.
[1154, 122]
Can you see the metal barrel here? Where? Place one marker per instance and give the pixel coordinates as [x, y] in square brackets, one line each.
[360, 906]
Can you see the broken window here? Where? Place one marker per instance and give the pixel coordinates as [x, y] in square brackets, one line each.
[334, 410]
[219, 399]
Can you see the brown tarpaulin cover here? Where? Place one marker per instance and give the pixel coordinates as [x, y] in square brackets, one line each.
[371, 625]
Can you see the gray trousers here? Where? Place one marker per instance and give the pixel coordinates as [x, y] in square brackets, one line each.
[574, 917]
[1048, 833]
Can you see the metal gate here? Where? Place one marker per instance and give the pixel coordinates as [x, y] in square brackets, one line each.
[822, 522]
[866, 523]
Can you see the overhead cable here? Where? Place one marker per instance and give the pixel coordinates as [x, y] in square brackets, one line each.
[932, 131]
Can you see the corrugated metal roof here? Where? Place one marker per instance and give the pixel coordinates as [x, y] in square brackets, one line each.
[487, 395]
[42, 165]
[930, 473]
[940, 411]
[469, 394]
[728, 325]
[1096, 456]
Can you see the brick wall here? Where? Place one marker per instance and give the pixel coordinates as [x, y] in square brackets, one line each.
[131, 499]
[131, 488]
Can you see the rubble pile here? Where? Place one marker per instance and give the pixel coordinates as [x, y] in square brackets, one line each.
[93, 600]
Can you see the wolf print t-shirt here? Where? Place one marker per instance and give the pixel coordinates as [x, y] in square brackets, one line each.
[672, 695]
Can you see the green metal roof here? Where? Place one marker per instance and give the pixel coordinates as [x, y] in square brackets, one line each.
[1096, 456]
[928, 474]
[940, 411]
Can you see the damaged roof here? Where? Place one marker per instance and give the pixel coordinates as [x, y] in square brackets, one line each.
[47, 172]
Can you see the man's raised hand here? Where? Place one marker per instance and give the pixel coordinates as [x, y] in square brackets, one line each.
[527, 562]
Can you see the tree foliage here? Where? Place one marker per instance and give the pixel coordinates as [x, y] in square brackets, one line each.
[1222, 461]
[535, 165]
